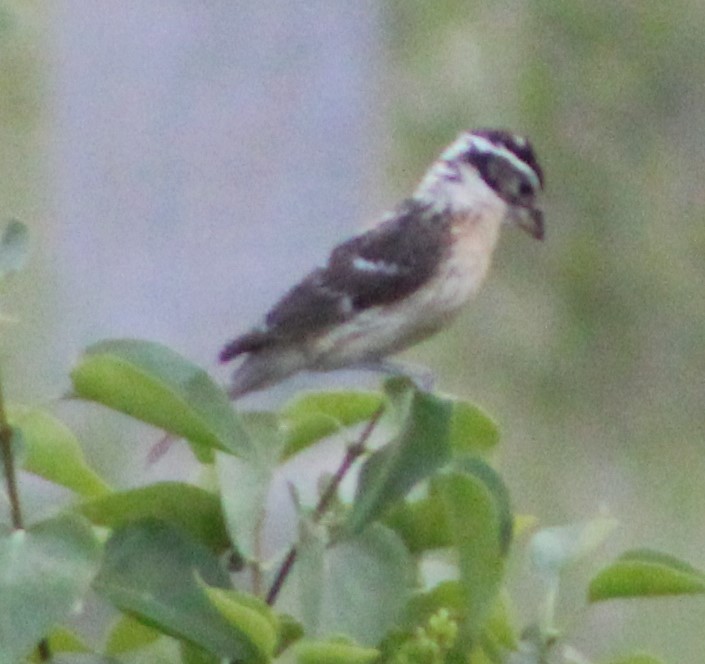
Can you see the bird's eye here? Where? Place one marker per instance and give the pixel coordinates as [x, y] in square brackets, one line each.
[525, 189]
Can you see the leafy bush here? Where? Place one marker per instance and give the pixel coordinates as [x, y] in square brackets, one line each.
[184, 565]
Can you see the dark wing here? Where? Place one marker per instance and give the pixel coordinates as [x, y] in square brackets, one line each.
[307, 307]
[379, 267]
[392, 260]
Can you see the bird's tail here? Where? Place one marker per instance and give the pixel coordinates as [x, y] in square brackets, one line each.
[265, 368]
[251, 342]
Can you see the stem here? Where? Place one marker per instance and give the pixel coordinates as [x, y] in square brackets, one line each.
[13, 495]
[8, 462]
[351, 455]
[281, 576]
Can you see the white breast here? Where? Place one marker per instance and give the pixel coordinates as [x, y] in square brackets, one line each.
[381, 331]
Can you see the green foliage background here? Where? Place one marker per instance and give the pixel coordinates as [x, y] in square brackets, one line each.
[588, 349]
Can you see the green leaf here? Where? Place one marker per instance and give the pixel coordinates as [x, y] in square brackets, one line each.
[312, 417]
[244, 483]
[250, 616]
[290, 631]
[480, 522]
[244, 487]
[191, 654]
[472, 430]
[552, 549]
[62, 639]
[196, 511]
[400, 392]
[333, 652]
[310, 573]
[499, 635]
[646, 573]
[129, 634]
[150, 570]
[493, 483]
[52, 452]
[268, 437]
[44, 572]
[422, 447]
[363, 584]
[421, 524]
[156, 385]
[14, 248]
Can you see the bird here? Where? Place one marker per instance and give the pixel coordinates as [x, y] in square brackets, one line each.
[405, 278]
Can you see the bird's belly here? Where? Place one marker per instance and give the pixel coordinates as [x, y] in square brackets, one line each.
[380, 331]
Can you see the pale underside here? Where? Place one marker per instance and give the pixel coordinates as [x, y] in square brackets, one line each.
[378, 331]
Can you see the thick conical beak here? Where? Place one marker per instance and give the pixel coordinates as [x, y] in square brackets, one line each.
[528, 218]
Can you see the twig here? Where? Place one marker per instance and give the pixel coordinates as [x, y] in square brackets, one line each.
[8, 463]
[13, 495]
[351, 455]
[282, 575]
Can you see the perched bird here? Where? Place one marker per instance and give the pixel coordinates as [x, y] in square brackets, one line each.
[404, 279]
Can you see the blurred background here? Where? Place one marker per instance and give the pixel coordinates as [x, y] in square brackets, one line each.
[181, 164]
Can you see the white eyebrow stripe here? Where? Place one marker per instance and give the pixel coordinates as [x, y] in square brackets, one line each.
[364, 265]
[456, 148]
[483, 145]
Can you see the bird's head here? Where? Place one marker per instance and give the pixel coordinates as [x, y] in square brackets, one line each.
[496, 159]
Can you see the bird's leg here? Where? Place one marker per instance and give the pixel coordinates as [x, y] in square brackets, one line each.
[422, 377]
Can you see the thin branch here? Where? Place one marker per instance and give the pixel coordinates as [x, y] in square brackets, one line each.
[9, 464]
[351, 455]
[282, 575]
[6, 435]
